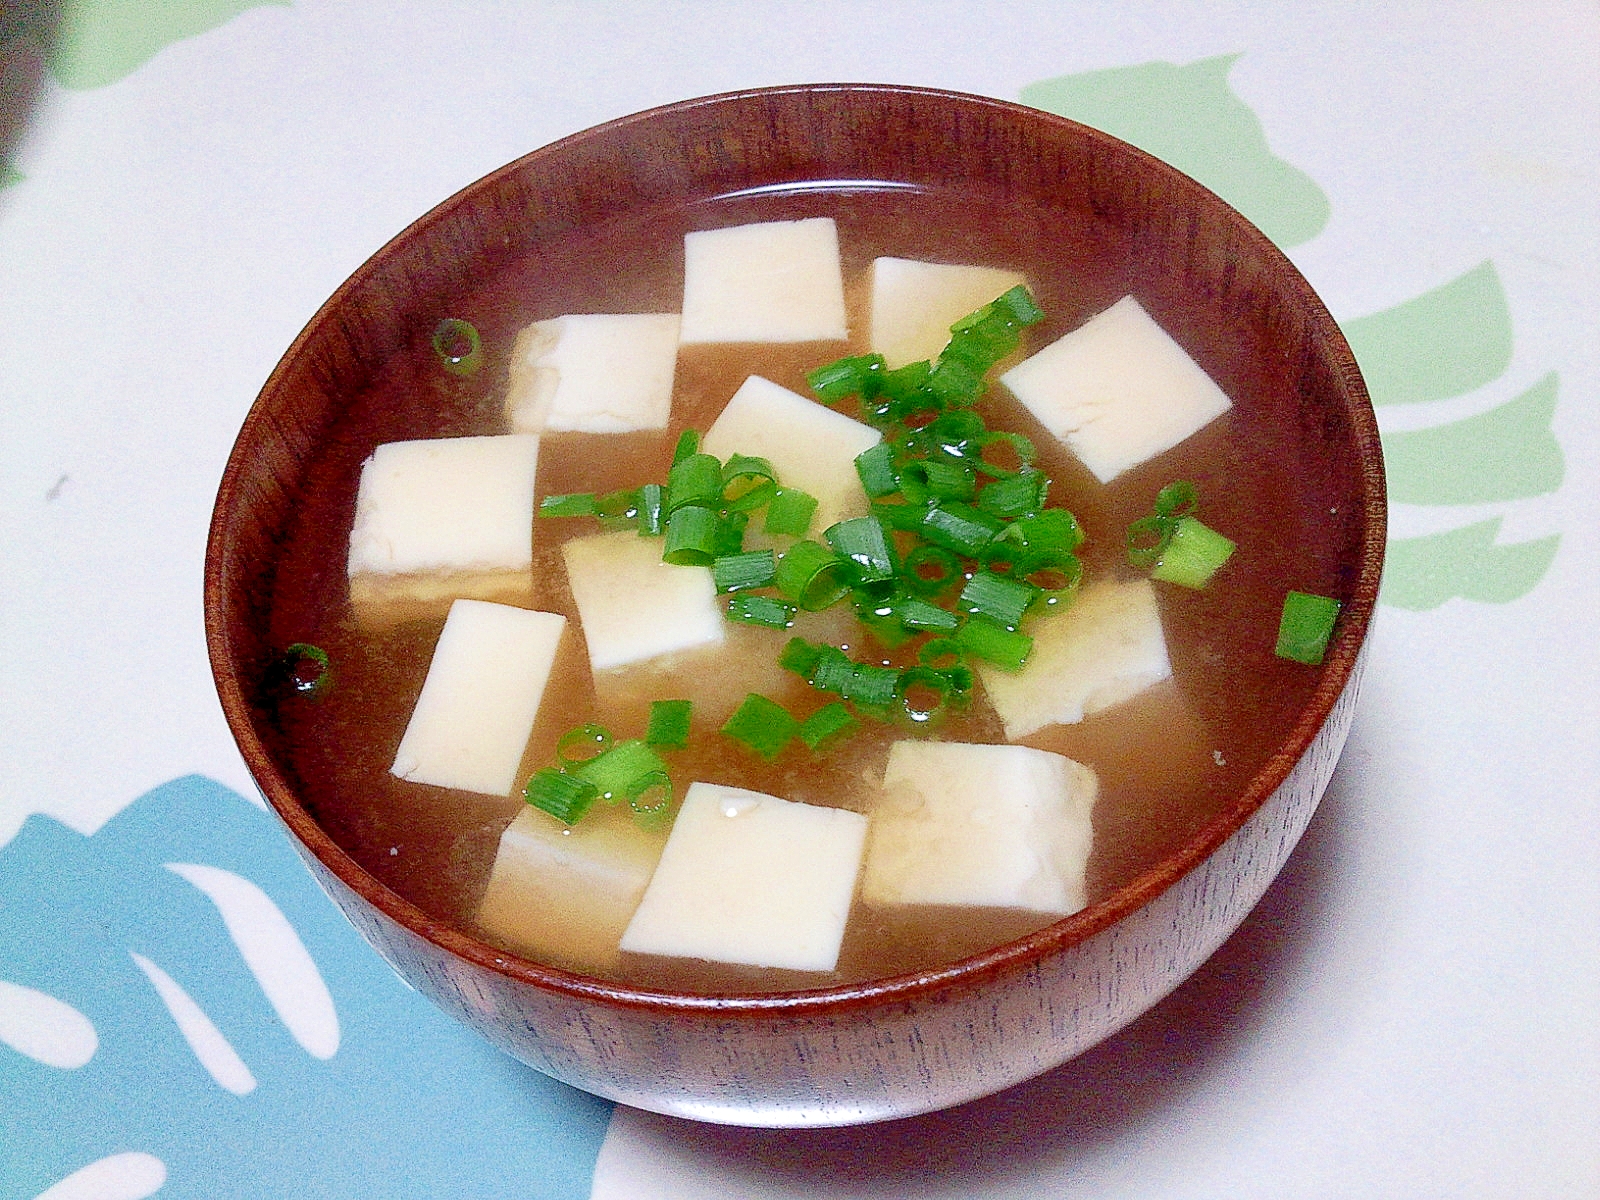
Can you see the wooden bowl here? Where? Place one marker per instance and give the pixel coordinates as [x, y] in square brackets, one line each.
[912, 1043]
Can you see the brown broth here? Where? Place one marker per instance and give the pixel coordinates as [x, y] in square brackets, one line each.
[1168, 761]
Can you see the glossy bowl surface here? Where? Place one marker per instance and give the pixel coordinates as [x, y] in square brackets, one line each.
[893, 1047]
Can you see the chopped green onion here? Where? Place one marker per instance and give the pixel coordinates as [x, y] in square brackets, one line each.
[1019, 447]
[1177, 499]
[863, 542]
[306, 667]
[1147, 538]
[457, 345]
[573, 504]
[761, 610]
[902, 518]
[870, 685]
[938, 478]
[1056, 573]
[751, 569]
[651, 515]
[954, 382]
[923, 615]
[748, 482]
[595, 738]
[929, 570]
[940, 653]
[960, 528]
[1019, 306]
[993, 643]
[812, 576]
[1305, 627]
[619, 509]
[789, 512]
[688, 444]
[691, 536]
[913, 687]
[1016, 495]
[875, 466]
[1047, 529]
[669, 723]
[616, 770]
[1192, 555]
[1002, 600]
[730, 534]
[763, 725]
[656, 782]
[565, 797]
[832, 670]
[800, 656]
[697, 480]
[846, 377]
[827, 723]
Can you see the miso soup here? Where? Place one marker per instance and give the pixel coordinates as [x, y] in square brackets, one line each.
[1169, 760]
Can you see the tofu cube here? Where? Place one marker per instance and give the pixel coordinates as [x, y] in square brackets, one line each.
[564, 894]
[1117, 390]
[443, 518]
[596, 373]
[986, 826]
[633, 606]
[479, 700]
[915, 303]
[1106, 647]
[777, 281]
[748, 878]
[811, 447]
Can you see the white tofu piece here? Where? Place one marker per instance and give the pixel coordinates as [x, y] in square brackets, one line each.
[749, 878]
[985, 826]
[1117, 390]
[593, 373]
[810, 446]
[564, 893]
[776, 281]
[442, 518]
[479, 700]
[915, 303]
[1104, 648]
[635, 607]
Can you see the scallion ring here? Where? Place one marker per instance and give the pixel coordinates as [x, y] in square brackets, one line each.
[457, 345]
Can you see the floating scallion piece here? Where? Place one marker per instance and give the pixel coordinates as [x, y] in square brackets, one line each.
[580, 745]
[688, 443]
[929, 570]
[307, 668]
[789, 512]
[761, 610]
[812, 576]
[747, 482]
[692, 536]
[763, 725]
[875, 467]
[652, 515]
[831, 721]
[846, 377]
[1004, 601]
[749, 569]
[572, 504]
[960, 528]
[695, 479]
[563, 795]
[862, 542]
[457, 346]
[669, 724]
[1192, 555]
[1305, 627]
[616, 770]
[923, 693]
[619, 509]
[650, 796]
[983, 638]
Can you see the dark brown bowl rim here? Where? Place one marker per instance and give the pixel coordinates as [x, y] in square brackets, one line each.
[1338, 666]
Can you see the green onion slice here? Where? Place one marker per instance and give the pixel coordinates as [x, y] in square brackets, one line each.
[876, 468]
[650, 795]
[789, 512]
[923, 693]
[960, 527]
[669, 724]
[830, 721]
[619, 509]
[1004, 601]
[749, 569]
[748, 482]
[760, 610]
[616, 770]
[307, 668]
[692, 536]
[595, 739]
[1005, 648]
[1305, 627]
[929, 570]
[695, 479]
[763, 725]
[863, 542]
[651, 507]
[688, 444]
[1192, 555]
[457, 346]
[565, 797]
[573, 504]
[812, 576]
[1177, 499]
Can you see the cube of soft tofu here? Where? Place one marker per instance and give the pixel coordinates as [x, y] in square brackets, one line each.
[442, 518]
[478, 703]
[915, 303]
[594, 373]
[989, 826]
[632, 605]
[811, 447]
[777, 281]
[1117, 390]
[564, 894]
[748, 878]
[1102, 649]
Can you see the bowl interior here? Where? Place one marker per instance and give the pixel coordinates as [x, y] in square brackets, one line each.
[594, 223]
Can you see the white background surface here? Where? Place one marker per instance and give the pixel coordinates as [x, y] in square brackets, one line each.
[1413, 1011]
